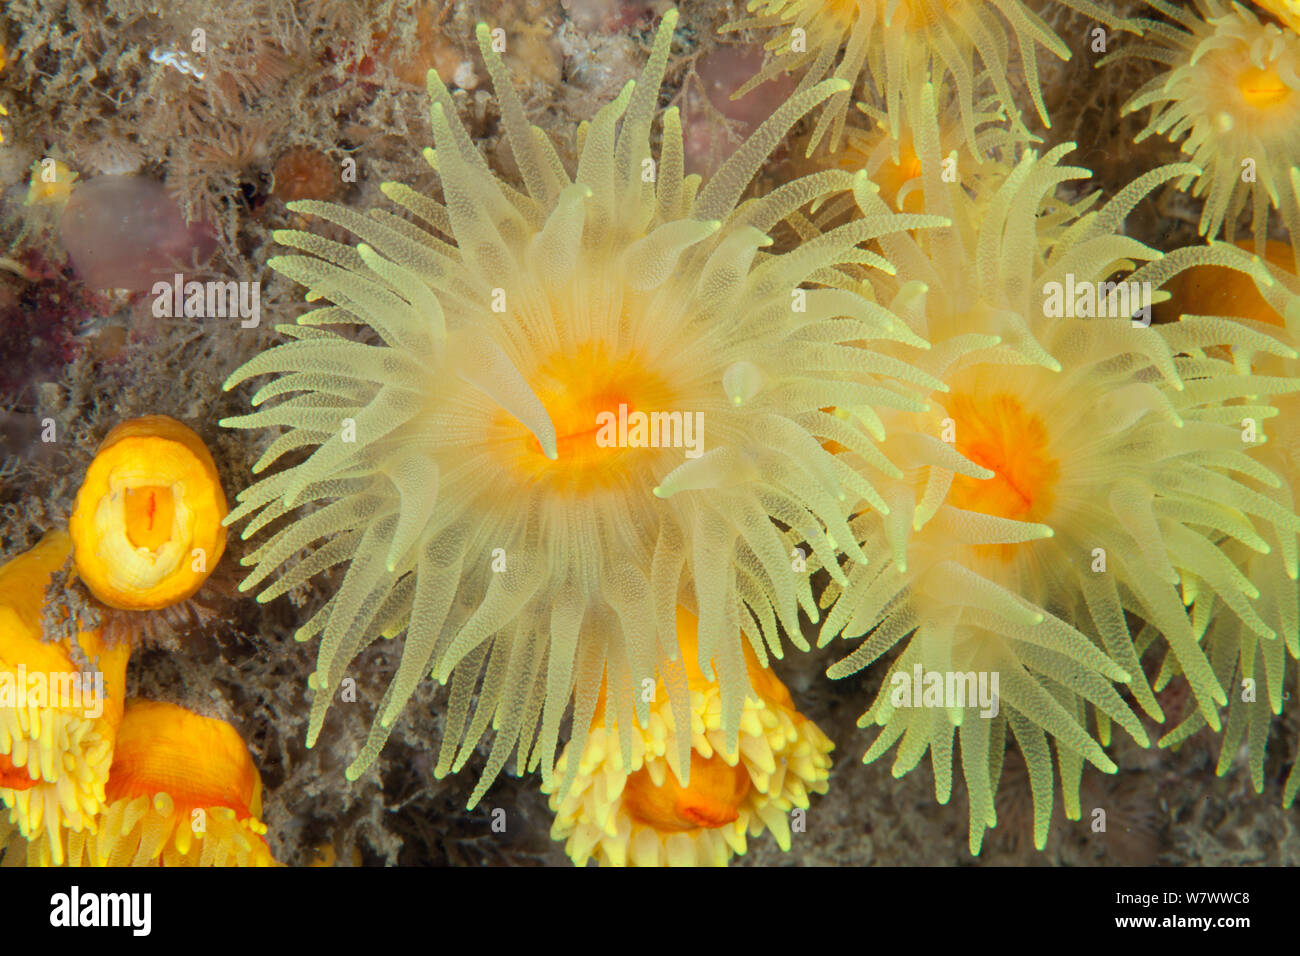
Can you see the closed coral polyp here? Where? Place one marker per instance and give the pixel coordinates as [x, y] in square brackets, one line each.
[147, 527]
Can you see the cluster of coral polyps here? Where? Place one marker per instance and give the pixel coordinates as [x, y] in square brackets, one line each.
[86, 776]
[594, 441]
[543, 422]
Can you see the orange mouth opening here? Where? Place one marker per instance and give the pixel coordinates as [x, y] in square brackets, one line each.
[712, 800]
[577, 388]
[14, 778]
[149, 514]
[1263, 89]
[998, 433]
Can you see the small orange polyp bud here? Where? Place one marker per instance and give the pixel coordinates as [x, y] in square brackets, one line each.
[51, 183]
[146, 528]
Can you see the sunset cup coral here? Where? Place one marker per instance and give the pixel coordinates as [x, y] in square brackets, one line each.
[892, 163]
[60, 706]
[640, 813]
[146, 528]
[183, 791]
[1231, 95]
[1254, 670]
[1083, 466]
[901, 45]
[592, 404]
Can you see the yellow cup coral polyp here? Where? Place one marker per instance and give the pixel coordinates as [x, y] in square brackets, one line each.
[58, 717]
[183, 791]
[639, 812]
[1231, 93]
[147, 528]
